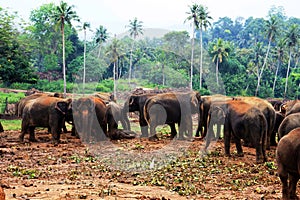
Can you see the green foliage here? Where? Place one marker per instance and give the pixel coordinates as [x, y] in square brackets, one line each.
[13, 125]
[105, 86]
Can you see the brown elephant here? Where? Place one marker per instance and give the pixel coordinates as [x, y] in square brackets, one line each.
[288, 105]
[171, 108]
[118, 115]
[21, 104]
[135, 103]
[289, 123]
[295, 108]
[44, 111]
[267, 109]
[288, 161]
[96, 121]
[207, 101]
[89, 118]
[243, 120]
[279, 117]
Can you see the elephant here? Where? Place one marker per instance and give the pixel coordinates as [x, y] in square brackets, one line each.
[113, 132]
[287, 107]
[243, 120]
[44, 111]
[96, 121]
[106, 97]
[21, 104]
[118, 115]
[295, 108]
[266, 108]
[171, 108]
[207, 101]
[276, 103]
[288, 161]
[216, 115]
[278, 119]
[135, 103]
[89, 118]
[289, 123]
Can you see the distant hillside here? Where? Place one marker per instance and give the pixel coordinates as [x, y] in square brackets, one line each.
[148, 33]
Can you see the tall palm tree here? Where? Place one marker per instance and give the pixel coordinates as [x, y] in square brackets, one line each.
[135, 29]
[271, 31]
[85, 26]
[292, 37]
[280, 52]
[218, 52]
[64, 14]
[203, 23]
[114, 51]
[192, 15]
[101, 37]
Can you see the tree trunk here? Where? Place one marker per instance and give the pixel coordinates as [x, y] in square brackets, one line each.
[287, 74]
[217, 72]
[99, 52]
[263, 67]
[130, 65]
[275, 78]
[84, 51]
[115, 85]
[192, 58]
[64, 58]
[201, 58]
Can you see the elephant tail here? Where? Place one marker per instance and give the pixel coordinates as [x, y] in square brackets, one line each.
[264, 130]
[146, 111]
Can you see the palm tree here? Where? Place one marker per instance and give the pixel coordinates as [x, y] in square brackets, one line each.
[203, 23]
[114, 51]
[218, 52]
[101, 37]
[64, 14]
[271, 31]
[85, 26]
[135, 29]
[292, 37]
[192, 16]
[280, 52]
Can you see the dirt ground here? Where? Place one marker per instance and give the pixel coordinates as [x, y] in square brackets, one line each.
[131, 169]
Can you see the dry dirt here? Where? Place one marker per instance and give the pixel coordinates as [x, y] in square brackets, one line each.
[71, 170]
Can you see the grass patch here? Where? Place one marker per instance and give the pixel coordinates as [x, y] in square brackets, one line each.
[11, 125]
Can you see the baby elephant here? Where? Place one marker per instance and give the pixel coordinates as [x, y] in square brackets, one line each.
[288, 160]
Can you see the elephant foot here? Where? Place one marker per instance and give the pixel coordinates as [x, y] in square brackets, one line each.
[21, 138]
[55, 142]
[33, 140]
[241, 154]
[153, 138]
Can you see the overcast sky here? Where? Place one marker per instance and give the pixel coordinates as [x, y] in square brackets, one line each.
[167, 14]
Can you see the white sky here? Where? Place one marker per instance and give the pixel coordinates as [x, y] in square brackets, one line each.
[167, 14]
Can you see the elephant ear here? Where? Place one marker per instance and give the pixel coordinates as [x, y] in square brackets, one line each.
[61, 106]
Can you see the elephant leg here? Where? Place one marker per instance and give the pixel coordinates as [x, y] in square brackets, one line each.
[218, 135]
[238, 146]
[283, 175]
[153, 136]
[227, 138]
[31, 134]
[174, 132]
[144, 128]
[23, 131]
[293, 180]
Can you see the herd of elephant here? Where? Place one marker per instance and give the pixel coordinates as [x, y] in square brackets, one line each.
[258, 122]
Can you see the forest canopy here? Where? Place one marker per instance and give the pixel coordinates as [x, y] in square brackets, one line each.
[253, 56]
